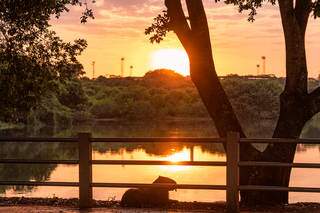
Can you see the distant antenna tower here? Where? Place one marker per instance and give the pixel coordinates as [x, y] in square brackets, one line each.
[258, 69]
[264, 64]
[131, 70]
[122, 67]
[93, 69]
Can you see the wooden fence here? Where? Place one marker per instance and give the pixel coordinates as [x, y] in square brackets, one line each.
[233, 163]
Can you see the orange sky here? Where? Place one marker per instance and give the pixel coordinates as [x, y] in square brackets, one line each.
[118, 31]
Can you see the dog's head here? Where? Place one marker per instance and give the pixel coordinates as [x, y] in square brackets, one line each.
[166, 180]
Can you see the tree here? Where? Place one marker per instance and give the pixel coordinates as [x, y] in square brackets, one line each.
[36, 13]
[34, 58]
[297, 105]
[29, 71]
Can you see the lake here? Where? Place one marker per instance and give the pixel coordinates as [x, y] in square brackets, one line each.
[139, 174]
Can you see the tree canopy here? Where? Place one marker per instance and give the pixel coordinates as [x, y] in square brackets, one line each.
[161, 24]
[33, 57]
[252, 6]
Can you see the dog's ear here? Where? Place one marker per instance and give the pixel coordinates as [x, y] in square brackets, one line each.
[162, 179]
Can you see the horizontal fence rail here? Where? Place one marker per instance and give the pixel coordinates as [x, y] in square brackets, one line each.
[280, 140]
[38, 183]
[43, 140]
[30, 161]
[233, 163]
[279, 188]
[153, 185]
[159, 140]
[278, 164]
[152, 162]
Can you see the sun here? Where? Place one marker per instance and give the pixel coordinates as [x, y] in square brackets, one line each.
[174, 59]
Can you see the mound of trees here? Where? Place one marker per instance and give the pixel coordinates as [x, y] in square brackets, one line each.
[163, 94]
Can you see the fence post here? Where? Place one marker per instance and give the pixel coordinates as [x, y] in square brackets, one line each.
[85, 170]
[232, 172]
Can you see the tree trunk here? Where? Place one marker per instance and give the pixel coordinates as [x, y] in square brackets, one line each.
[294, 110]
[290, 125]
[296, 105]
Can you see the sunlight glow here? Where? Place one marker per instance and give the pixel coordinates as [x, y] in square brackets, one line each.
[184, 155]
[174, 59]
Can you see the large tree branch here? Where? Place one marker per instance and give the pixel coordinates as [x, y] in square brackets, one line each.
[314, 102]
[286, 6]
[302, 12]
[197, 16]
[315, 93]
[199, 25]
[294, 32]
[178, 22]
[202, 70]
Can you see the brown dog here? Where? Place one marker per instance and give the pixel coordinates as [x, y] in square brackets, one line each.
[149, 197]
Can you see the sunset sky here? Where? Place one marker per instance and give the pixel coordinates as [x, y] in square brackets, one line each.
[118, 31]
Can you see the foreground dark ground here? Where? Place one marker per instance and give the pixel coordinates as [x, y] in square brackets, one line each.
[47, 205]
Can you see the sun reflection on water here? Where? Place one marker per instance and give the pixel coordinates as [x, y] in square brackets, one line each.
[183, 155]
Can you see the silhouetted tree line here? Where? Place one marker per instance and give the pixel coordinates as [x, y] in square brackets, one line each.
[160, 94]
[163, 93]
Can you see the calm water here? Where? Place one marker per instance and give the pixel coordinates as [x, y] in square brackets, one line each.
[138, 174]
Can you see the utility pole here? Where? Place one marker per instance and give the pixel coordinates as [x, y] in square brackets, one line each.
[93, 69]
[131, 70]
[264, 64]
[122, 67]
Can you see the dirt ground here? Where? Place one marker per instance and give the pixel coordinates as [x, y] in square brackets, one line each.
[47, 209]
[53, 205]
[51, 209]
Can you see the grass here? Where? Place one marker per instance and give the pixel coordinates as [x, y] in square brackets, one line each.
[4, 126]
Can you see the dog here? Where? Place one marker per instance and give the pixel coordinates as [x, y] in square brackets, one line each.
[149, 197]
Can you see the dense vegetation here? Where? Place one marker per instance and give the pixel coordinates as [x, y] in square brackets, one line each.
[163, 94]
[160, 94]
[34, 60]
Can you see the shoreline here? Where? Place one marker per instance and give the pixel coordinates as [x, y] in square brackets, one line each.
[6, 126]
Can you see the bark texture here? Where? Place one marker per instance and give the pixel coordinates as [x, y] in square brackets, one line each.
[296, 105]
